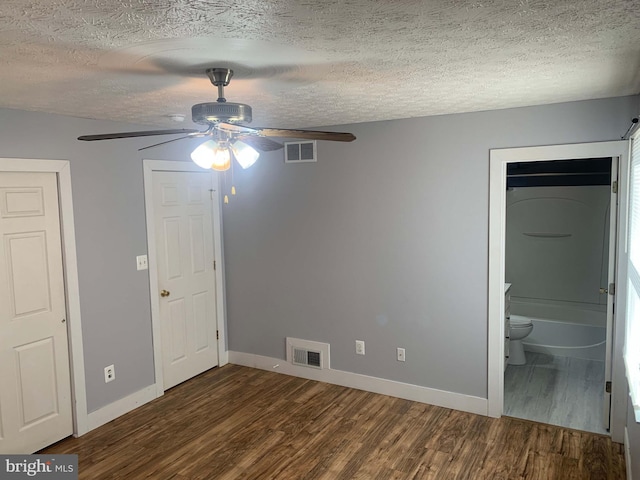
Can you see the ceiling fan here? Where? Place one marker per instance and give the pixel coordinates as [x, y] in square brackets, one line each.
[227, 136]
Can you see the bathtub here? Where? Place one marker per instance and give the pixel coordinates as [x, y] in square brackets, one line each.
[564, 330]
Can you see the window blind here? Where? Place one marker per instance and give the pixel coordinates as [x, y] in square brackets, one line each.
[632, 337]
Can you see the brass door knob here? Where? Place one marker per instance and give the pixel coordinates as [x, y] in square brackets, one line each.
[165, 293]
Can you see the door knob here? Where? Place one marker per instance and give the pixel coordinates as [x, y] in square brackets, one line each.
[165, 293]
[603, 291]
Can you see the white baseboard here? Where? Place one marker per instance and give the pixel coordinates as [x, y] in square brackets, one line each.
[627, 453]
[120, 407]
[223, 358]
[432, 396]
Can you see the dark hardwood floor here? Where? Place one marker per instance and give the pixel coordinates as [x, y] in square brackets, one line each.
[241, 423]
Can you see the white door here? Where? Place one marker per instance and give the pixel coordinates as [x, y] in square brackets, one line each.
[183, 225]
[611, 271]
[35, 392]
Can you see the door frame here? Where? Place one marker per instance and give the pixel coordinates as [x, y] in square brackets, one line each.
[150, 166]
[498, 160]
[62, 170]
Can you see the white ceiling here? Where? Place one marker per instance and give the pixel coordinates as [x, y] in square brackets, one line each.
[312, 63]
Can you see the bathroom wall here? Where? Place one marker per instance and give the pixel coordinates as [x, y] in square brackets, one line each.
[557, 241]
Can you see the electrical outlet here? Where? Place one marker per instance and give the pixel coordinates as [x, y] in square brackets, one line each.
[360, 347]
[400, 352]
[109, 374]
[142, 262]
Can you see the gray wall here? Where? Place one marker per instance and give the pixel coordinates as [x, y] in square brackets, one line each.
[383, 240]
[386, 240]
[109, 218]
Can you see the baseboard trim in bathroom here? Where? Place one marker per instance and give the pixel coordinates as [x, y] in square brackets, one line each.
[417, 393]
[589, 352]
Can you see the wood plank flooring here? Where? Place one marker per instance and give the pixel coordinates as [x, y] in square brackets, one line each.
[241, 423]
[562, 391]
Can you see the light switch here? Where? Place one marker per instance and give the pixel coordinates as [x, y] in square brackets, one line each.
[141, 260]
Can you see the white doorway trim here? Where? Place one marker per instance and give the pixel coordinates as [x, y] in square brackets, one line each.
[149, 166]
[70, 265]
[498, 160]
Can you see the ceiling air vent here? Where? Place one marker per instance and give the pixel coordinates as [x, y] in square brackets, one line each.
[308, 354]
[300, 152]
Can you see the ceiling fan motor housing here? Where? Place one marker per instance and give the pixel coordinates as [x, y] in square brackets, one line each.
[214, 112]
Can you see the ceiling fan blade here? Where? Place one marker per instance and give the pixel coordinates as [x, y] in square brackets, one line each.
[260, 143]
[305, 134]
[232, 128]
[287, 133]
[147, 133]
[168, 141]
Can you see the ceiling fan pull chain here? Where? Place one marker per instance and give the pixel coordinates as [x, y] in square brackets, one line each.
[224, 187]
[233, 188]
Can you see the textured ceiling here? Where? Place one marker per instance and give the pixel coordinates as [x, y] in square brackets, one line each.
[305, 63]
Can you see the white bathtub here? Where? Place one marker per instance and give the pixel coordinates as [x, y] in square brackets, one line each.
[563, 330]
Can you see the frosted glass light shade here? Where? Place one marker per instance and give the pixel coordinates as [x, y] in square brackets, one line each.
[245, 155]
[213, 155]
[202, 155]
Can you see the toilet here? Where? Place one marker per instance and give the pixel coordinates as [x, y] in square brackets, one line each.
[519, 328]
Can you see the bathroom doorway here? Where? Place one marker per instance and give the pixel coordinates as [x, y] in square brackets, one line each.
[500, 161]
[559, 237]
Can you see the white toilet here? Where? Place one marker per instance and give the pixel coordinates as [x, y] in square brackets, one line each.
[519, 328]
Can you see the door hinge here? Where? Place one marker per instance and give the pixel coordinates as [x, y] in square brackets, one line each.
[614, 186]
[214, 264]
[218, 337]
[612, 289]
[607, 387]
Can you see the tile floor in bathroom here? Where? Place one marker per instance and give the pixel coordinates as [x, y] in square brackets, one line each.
[556, 390]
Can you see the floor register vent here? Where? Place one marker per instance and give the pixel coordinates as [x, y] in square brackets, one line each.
[307, 353]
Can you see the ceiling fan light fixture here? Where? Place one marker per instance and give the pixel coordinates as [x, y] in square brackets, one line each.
[212, 154]
[224, 121]
[245, 154]
[213, 112]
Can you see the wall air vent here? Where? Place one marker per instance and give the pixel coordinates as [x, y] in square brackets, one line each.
[307, 353]
[307, 358]
[300, 152]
